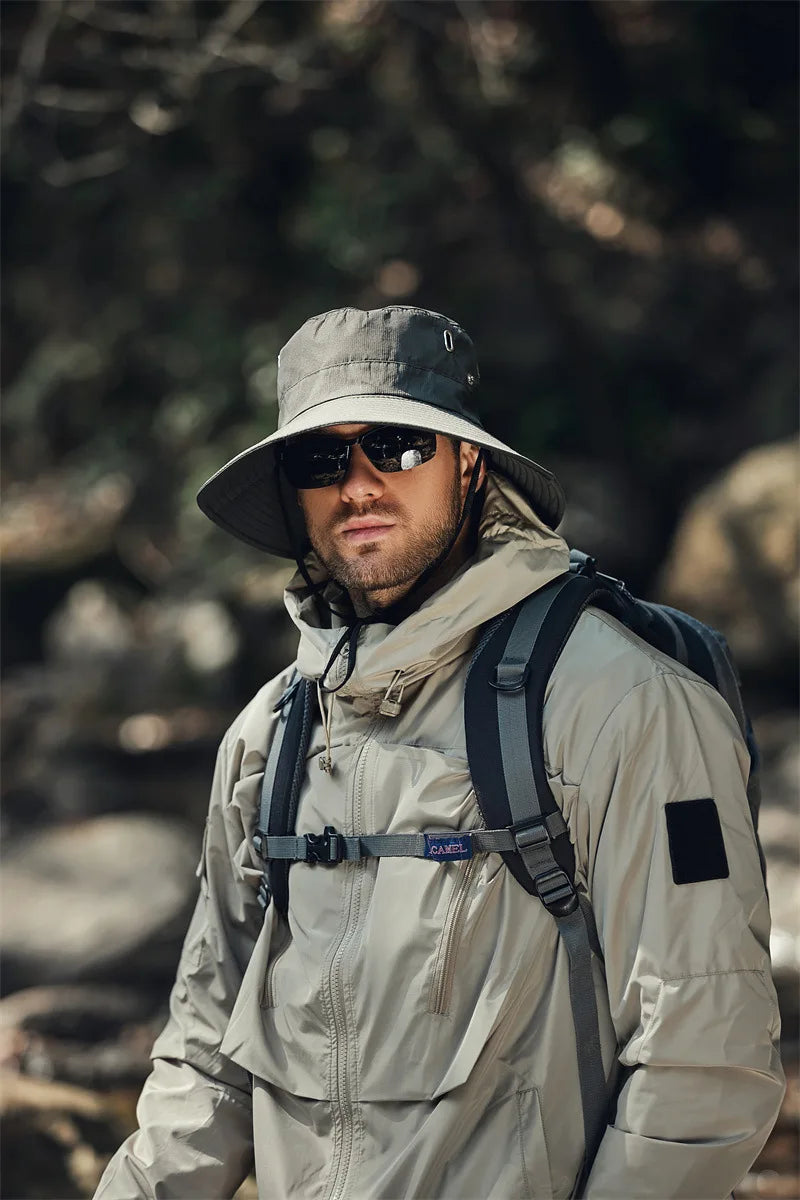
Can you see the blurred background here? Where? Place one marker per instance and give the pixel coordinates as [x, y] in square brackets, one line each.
[604, 193]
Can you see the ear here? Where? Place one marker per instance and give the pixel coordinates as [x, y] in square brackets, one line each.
[468, 454]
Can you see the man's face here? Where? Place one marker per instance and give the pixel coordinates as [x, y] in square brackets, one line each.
[377, 532]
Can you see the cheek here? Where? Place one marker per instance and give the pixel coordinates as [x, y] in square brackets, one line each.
[313, 505]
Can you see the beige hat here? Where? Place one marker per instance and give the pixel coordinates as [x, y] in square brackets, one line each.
[384, 366]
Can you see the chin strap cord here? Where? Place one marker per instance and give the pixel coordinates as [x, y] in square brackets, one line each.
[350, 636]
[297, 551]
[315, 589]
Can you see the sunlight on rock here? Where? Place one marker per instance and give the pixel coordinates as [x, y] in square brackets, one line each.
[209, 637]
[145, 731]
[89, 623]
[604, 221]
[397, 278]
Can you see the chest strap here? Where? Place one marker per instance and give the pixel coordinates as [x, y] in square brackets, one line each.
[329, 847]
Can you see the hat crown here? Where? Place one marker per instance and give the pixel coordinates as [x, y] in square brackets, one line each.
[384, 366]
[388, 351]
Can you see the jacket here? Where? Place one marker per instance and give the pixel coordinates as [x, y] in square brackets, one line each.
[408, 1031]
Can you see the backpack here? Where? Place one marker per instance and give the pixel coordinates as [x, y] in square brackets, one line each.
[503, 706]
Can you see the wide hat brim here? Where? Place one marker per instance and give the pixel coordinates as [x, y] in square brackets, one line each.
[243, 497]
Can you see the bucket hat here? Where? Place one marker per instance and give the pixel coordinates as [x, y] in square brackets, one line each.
[384, 366]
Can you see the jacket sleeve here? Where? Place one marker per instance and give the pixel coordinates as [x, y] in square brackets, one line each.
[195, 1124]
[683, 921]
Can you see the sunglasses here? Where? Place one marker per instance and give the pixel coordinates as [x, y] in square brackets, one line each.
[317, 460]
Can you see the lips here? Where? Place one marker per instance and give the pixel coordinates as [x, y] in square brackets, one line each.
[365, 529]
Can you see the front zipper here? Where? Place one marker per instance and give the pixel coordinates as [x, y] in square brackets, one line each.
[445, 962]
[344, 1046]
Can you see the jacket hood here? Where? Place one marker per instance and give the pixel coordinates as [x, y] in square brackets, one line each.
[514, 546]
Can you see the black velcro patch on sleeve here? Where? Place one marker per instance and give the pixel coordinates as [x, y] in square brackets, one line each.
[696, 845]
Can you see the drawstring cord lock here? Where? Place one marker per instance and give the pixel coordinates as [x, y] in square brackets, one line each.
[325, 760]
[390, 706]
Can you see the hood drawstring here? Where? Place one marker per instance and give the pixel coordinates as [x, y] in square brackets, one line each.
[350, 636]
[325, 760]
[315, 589]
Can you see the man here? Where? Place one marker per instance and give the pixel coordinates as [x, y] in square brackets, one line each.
[407, 1031]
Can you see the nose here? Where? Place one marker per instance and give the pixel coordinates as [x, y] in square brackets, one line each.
[362, 481]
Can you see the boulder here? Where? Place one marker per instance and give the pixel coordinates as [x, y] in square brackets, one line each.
[779, 830]
[55, 1139]
[734, 558]
[106, 898]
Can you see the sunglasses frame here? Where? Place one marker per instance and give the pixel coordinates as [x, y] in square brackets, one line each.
[346, 444]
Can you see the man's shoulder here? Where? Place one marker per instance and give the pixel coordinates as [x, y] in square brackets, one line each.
[603, 664]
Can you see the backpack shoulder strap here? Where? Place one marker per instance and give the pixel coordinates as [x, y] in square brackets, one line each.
[504, 701]
[280, 788]
[503, 705]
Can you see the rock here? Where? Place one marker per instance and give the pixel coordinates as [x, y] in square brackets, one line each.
[779, 830]
[91, 1035]
[56, 1139]
[107, 898]
[776, 1173]
[734, 557]
[60, 520]
[89, 624]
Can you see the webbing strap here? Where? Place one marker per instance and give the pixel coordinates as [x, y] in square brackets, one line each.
[523, 797]
[268, 789]
[553, 886]
[284, 708]
[582, 998]
[331, 847]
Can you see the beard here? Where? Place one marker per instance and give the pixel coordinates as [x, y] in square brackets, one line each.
[373, 567]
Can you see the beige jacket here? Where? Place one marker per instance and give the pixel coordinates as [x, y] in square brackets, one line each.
[409, 1033]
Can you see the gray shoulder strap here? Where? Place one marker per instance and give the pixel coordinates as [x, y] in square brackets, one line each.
[283, 708]
[551, 883]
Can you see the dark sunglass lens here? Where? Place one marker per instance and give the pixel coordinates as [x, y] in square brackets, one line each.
[398, 449]
[315, 462]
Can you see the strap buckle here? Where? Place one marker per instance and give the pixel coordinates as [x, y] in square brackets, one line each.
[556, 892]
[531, 833]
[324, 849]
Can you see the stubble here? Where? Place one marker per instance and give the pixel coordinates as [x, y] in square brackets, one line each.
[377, 568]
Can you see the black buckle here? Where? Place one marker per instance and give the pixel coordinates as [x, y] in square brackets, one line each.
[531, 833]
[324, 849]
[510, 676]
[556, 892]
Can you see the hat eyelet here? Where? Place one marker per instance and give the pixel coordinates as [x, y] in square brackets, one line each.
[448, 341]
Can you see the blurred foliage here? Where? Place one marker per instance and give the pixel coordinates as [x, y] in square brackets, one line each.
[603, 193]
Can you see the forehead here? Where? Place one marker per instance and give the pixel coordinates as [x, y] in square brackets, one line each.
[345, 431]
